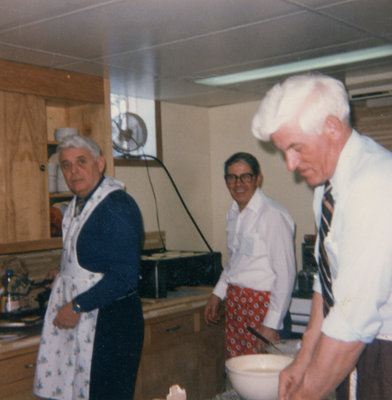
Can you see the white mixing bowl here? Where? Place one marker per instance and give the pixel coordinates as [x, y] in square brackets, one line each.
[256, 376]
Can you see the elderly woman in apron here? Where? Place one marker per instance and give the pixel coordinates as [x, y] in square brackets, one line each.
[93, 330]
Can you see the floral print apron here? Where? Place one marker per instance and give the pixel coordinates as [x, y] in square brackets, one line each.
[64, 357]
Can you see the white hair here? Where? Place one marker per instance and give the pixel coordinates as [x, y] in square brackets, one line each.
[309, 98]
[79, 141]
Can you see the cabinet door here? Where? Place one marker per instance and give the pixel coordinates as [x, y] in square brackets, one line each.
[17, 374]
[211, 355]
[23, 176]
[169, 357]
[181, 349]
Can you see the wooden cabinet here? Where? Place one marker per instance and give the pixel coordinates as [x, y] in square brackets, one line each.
[23, 160]
[180, 349]
[17, 374]
[33, 102]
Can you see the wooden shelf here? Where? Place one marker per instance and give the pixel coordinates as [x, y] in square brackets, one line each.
[32, 109]
[60, 195]
[33, 245]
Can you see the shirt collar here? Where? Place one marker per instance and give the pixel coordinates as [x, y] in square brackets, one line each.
[92, 192]
[343, 170]
[254, 203]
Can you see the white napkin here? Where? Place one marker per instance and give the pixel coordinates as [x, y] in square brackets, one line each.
[176, 393]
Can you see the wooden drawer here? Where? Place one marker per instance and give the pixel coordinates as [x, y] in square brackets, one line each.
[21, 390]
[165, 330]
[18, 367]
[181, 349]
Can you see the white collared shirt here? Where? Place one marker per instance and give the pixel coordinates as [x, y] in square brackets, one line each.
[359, 244]
[260, 241]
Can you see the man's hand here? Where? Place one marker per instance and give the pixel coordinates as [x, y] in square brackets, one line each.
[211, 311]
[268, 333]
[331, 361]
[66, 317]
[289, 379]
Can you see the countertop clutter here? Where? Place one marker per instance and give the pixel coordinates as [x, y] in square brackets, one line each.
[181, 299]
[178, 349]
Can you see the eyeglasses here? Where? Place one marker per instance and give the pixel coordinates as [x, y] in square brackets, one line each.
[231, 179]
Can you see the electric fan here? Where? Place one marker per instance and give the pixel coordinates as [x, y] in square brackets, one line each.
[129, 133]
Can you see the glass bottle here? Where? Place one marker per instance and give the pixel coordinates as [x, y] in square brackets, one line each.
[9, 300]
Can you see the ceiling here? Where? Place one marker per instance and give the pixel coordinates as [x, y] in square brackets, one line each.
[156, 48]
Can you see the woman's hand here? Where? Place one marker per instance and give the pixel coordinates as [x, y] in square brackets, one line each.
[66, 317]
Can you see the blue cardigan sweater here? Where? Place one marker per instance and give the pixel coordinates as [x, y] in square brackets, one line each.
[110, 243]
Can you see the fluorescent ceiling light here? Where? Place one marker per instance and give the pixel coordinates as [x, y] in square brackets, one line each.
[299, 66]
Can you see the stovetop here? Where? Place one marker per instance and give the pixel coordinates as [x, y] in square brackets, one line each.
[21, 319]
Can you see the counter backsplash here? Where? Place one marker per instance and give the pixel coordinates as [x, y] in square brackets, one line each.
[38, 262]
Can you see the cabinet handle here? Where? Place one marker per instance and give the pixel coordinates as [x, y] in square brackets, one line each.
[28, 366]
[42, 168]
[173, 328]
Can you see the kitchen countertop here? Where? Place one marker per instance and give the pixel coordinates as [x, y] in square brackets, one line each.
[180, 299]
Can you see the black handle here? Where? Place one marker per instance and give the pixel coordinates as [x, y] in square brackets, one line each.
[265, 340]
[173, 328]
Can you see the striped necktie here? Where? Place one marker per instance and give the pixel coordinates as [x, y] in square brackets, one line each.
[79, 206]
[323, 262]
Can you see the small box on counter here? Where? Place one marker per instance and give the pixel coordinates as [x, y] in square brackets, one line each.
[165, 271]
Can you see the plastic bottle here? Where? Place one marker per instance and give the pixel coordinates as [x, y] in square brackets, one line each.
[9, 300]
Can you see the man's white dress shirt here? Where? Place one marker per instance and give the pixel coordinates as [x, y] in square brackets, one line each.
[359, 244]
[260, 241]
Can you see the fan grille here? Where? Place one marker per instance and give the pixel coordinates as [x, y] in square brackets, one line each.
[129, 133]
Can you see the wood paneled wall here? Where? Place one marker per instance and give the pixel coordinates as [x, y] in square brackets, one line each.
[375, 122]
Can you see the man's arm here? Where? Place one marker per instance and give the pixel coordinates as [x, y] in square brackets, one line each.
[332, 361]
[321, 364]
[292, 376]
[281, 255]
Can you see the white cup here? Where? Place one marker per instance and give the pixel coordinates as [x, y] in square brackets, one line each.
[61, 133]
[52, 173]
[61, 184]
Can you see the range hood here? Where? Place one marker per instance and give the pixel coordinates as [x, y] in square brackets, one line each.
[373, 84]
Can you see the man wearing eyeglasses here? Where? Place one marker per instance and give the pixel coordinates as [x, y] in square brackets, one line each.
[258, 279]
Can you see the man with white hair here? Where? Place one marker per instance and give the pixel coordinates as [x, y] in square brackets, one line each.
[307, 118]
[93, 330]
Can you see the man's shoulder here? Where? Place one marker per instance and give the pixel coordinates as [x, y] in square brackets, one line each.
[373, 163]
[370, 155]
[275, 209]
[274, 204]
[121, 197]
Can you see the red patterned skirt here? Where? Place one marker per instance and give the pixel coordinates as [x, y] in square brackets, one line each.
[244, 307]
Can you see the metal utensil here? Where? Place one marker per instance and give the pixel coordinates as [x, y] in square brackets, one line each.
[264, 339]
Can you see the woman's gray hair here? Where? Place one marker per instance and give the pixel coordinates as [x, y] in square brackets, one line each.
[79, 141]
[310, 98]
